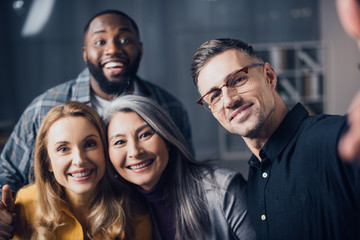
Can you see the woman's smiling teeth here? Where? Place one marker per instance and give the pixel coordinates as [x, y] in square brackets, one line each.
[81, 174]
[140, 165]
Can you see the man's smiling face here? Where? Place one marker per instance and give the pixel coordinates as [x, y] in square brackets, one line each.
[246, 113]
[112, 51]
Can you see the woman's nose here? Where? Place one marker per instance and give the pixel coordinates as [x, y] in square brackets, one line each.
[135, 150]
[78, 157]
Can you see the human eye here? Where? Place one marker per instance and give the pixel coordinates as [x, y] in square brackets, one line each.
[125, 41]
[214, 96]
[99, 42]
[90, 144]
[146, 134]
[62, 149]
[119, 142]
[238, 80]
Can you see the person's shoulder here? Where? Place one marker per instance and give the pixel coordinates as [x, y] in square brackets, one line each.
[151, 85]
[60, 89]
[159, 91]
[225, 186]
[25, 209]
[31, 118]
[56, 95]
[323, 126]
[26, 195]
[224, 176]
[327, 119]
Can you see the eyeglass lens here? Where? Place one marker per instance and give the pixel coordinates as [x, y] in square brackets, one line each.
[237, 83]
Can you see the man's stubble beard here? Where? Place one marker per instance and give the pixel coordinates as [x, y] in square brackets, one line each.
[109, 87]
[252, 132]
[256, 128]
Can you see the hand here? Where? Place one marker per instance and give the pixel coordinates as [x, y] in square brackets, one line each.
[7, 215]
[349, 145]
[349, 14]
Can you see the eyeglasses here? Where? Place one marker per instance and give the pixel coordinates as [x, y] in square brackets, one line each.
[239, 82]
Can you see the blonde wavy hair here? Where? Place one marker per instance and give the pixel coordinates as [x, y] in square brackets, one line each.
[107, 215]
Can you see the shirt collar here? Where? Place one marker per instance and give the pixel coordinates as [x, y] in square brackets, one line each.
[282, 135]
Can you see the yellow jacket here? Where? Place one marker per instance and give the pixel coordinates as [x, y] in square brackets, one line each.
[26, 205]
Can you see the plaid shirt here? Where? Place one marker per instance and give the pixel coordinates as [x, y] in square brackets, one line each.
[17, 156]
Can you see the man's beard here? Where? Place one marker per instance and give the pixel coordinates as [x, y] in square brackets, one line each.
[109, 87]
[258, 127]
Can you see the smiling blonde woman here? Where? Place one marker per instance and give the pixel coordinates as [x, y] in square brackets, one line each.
[73, 198]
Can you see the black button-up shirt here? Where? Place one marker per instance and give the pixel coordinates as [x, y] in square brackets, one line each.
[301, 189]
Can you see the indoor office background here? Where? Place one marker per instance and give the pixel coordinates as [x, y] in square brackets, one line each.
[316, 61]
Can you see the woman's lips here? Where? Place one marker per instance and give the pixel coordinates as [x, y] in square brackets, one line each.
[80, 175]
[140, 165]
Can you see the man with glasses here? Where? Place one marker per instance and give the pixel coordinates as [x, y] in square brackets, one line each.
[298, 186]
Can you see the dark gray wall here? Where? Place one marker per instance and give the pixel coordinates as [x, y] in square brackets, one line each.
[171, 31]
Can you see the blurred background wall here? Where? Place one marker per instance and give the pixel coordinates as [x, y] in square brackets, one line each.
[171, 30]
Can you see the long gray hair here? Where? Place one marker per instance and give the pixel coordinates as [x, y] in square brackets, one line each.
[184, 189]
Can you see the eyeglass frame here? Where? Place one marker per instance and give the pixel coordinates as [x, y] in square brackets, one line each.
[201, 101]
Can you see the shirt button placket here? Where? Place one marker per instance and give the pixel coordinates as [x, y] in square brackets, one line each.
[265, 178]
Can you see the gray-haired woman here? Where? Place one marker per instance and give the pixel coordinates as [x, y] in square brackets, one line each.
[187, 199]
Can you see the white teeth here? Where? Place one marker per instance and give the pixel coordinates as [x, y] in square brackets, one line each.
[113, 64]
[80, 174]
[141, 165]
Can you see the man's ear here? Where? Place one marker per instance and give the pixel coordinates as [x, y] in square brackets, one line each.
[84, 54]
[141, 49]
[270, 74]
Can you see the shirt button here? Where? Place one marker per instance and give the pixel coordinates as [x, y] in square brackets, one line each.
[264, 175]
[263, 217]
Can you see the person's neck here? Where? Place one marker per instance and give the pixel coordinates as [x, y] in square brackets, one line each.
[79, 205]
[255, 144]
